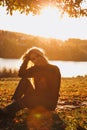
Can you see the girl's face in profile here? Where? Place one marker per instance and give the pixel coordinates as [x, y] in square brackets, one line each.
[37, 59]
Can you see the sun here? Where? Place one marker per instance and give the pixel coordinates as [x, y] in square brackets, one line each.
[46, 24]
[51, 12]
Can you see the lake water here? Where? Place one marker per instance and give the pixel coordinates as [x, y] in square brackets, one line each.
[67, 68]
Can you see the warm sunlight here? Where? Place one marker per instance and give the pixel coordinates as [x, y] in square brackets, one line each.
[48, 24]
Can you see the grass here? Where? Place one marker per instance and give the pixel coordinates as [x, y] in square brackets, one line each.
[73, 92]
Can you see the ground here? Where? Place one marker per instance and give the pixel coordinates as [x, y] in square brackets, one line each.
[71, 109]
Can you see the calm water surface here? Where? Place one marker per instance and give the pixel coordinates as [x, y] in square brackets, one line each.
[67, 68]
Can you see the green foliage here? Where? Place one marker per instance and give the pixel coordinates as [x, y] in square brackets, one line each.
[13, 45]
[73, 8]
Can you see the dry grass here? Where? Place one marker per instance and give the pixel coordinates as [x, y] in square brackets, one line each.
[73, 92]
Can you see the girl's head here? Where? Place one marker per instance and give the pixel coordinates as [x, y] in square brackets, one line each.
[36, 55]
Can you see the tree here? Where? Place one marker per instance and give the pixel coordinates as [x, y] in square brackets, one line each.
[74, 8]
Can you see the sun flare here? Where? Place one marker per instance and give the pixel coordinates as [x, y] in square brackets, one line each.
[48, 24]
[45, 24]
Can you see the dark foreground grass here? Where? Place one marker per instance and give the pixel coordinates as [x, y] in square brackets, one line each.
[71, 109]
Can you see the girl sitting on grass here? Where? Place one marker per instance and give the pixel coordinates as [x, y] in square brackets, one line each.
[43, 91]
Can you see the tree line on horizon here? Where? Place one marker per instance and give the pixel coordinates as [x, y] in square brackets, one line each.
[13, 45]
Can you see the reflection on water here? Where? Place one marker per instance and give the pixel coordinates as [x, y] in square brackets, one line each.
[71, 69]
[10, 63]
[67, 68]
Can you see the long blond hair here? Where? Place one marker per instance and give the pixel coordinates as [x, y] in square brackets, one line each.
[37, 50]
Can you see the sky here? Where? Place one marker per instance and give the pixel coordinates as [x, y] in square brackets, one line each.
[48, 24]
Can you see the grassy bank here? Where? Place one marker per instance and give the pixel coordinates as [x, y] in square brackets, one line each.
[73, 92]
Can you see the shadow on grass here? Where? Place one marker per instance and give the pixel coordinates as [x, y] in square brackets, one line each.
[35, 121]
